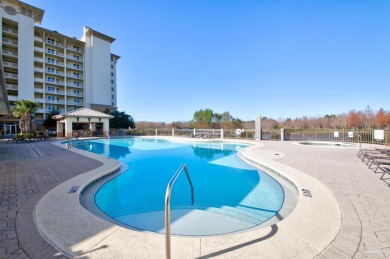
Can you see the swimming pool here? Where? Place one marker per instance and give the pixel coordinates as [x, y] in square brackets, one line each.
[230, 195]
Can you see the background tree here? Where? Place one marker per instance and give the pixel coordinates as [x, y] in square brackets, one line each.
[203, 118]
[121, 120]
[24, 110]
[50, 122]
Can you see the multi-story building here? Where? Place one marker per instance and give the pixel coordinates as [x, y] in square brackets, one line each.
[57, 71]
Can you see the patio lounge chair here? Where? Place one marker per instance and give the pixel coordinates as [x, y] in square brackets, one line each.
[379, 163]
[386, 170]
[371, 156]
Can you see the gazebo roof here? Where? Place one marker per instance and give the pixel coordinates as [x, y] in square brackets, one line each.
[83, 112]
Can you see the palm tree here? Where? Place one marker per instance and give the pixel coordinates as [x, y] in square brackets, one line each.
[23, 110]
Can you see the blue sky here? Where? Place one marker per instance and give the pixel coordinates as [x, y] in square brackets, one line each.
[272, 58]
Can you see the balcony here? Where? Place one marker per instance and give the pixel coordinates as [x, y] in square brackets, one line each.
[55, 83]
[10, 64]
[10, 41]
[38, 49]
[75, 50]
[38, 90]
[48, 110]
[38, 60]
[39, 100]
[38, 39]
[55, 101]
[80, 68]
[55, 53]
[12, 98]
[55, 92]
[11, 75]
[10, 30]
[60, 64]
[54, 73]
[74, 103]
[73, 85]
[54, 43]
[73, 58]
[74, 94]
[10, 53]
[75, 76]
[39, 80]
[12, 87]
[38, 69]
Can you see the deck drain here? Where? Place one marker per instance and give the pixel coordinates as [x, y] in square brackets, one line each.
[73, 189]
[306, 193]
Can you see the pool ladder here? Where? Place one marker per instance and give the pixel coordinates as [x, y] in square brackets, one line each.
[168, 207]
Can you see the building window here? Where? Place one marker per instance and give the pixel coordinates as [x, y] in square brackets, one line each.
[112, 66]
[51, 98]
[112, 96]
[76, 48]
[76, 83]
[51, 89]
[76, 75]
[50, 70]
[112, 81]
[76, 100]
[112, 89]
[112, 104]
[76, 57]
[112, 58]
[77, 66]
[112, 73]
[52, 61]
[51, 79]
[76, 92]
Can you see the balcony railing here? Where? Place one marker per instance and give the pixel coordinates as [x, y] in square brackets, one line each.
[38, 49]
[74, 76]
[48, 110]
[10, 30]
[55, 101]
[55, 53]
[38, 90]
[12, 98]
[74, 94]
[75, 103]
[11, 75]
[38, 39]
[10, 52]
[55, 63]
[55, 43]
[55, 92]
[75, 86]
[75, 50]
[39, 80]
[55, 72]
[75, 68]
[38, 69]
[38, 59]
[10, 64]
[10, 41]
[73, 58]
[11, 87]
[55, 83]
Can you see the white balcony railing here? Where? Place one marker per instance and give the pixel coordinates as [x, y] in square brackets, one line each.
[48, 110]
[38, 49]
[75, 86]
[55, 83]
[11, 75]
[10, 64]
[12, 98]
[80, 68]
[10, 41]
[74, 94]
[55, 63]
[38, 59]
[55, 101]
[38, 90]
[10, 52]
[39, 80]
[55, 92]
[73, 58]
[75, 50]
[55, 43]
[74, 103]
[55, 72]
[55, 53]
[38, 39]
[10, 30]
[74, 76]
[11, 87]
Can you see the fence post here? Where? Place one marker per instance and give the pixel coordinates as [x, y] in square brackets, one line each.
[221, 133]
[173, 132]
[282, 134]
[156, 132]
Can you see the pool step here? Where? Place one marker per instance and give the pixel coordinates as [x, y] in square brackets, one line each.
[255, 217]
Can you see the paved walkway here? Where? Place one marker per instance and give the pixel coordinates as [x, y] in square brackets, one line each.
[28, 171]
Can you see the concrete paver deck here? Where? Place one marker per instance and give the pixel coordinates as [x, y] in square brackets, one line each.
[28, 171]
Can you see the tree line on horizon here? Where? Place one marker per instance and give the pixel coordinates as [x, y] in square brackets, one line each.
[206, 118]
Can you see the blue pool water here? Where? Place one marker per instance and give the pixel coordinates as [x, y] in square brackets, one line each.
[230, 195]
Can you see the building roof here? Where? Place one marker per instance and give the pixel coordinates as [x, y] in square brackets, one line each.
[90, 32]
[83, 112]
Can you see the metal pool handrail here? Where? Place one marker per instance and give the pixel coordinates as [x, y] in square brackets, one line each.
[168, 207]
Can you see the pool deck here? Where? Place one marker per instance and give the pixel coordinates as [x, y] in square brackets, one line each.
[29, 171]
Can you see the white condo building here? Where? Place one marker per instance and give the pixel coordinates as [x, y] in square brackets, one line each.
[57, 71]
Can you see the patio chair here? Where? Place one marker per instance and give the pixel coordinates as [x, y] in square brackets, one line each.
[379, 163]
[372, 156]
[386, 170]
